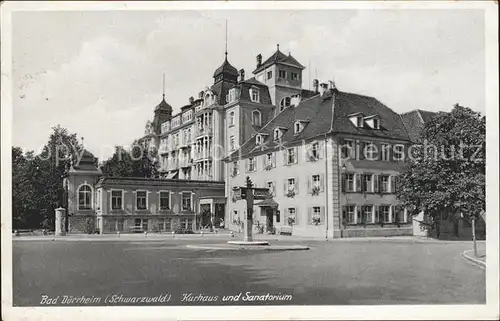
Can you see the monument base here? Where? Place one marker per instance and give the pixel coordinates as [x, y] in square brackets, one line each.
[248, 242]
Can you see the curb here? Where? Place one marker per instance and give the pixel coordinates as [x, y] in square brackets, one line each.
[474, 261]
[270, 248]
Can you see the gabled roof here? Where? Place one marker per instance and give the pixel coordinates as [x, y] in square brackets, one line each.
[321, 121]
[279, 57]
[244, 86]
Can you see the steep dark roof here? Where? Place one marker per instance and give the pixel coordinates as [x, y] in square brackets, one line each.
[226, 68]
[221, 89]
[86, 162]
[244, 86]
[317, 111]
[414, 122]
[163, 105]
[279, 57]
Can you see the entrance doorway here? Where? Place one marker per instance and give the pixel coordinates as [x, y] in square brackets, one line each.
[269, 220]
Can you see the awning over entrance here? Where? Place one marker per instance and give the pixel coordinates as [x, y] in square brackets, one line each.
[268, 202]
[173, 175]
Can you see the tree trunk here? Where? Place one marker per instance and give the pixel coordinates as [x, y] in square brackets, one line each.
[474, 236]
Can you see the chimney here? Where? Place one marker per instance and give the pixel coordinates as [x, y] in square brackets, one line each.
[315, 85]
[259, 60]
[242, 75]
[191, 100]
[322, 88]
[200, 95]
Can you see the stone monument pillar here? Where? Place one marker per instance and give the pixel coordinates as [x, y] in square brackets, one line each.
[60, 221]
[247, 237]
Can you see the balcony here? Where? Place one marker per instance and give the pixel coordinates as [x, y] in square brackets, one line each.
[203, 155]
[203, 131]
[186, 163]
[185, 143]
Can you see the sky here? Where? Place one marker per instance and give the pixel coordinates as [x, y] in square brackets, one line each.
[99, 73]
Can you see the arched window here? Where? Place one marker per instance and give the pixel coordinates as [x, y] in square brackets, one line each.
[231, 118]
[256, 118]
[285, 102]
[85, 198]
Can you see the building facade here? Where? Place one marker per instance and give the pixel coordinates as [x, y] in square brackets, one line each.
[331, 163]
[126, 204]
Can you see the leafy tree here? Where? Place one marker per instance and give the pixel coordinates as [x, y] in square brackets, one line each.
[37, 187]
[136, 162]
[446, 171]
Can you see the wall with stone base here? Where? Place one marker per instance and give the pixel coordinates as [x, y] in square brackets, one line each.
[377, 232]
[78, 223]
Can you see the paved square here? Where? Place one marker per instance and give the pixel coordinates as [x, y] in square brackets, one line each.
[333, 273]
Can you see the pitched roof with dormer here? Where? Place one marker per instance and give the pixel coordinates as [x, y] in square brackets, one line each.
[327, 114]
[279, 57]
[244, 87]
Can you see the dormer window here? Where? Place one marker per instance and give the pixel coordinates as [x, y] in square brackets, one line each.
[256, 118]
[359, 121]
[233, 95]
[258, 139]
[373, 121]
[356, 119]
[278, 132]
[297, 127]
[254, 94]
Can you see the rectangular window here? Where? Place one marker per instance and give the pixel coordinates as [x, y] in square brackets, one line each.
[399, 153]
[294, 76]
[368, 183]
[370, 151]
[254, 94]
[398, 214]
[161, 224]
[232, 143]
[291, 184]
[270, 160]
[291, 156]
[385, 152]
[186, 201]
[164, 201]
[349, 213]
[269, 74]
[367, 211]
[316, 181]
[270, 185]
[168, 224]
[141, 200]
[315, 150]
[116, 200]
[291, 216]
[349, 178]
[251, 164]
[189, 224]
[384, 213]
[145, 224]
[384, 184]
[236, 169]
[282, 73]
[348, 149]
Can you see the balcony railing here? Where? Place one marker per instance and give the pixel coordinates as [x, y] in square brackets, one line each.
[206, 154]
[290, 82]
[204, 131]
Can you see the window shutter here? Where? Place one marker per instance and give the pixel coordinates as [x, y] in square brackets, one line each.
[296, 215]
[274, 188]
[309, 189]
[274, 159]
[344, 214]
[309, 215]
[321, 149]
[396, 184]
[377, 214]
[322, 214]
[358, 214]
[285, 161]
[296, 185]
[393, 184]
[285, 186]
[375, 183]
[359, 188]
[308, 152]
[343, 182]
[322, 182]
[360, 148]
[296, 150]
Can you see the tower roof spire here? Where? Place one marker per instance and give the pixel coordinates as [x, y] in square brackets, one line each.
[225, 53]
[163, 86]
